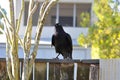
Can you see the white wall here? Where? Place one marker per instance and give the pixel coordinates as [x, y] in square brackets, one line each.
[46, 52]
[47, 32]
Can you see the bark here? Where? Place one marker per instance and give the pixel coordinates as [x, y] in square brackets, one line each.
[8, 61]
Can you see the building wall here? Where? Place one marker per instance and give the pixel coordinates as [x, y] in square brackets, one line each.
[48, 52]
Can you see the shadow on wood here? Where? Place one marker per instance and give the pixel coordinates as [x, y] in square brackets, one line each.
[40, 71]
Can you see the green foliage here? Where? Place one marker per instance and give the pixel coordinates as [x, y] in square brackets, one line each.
[105, 33]
[85, 19]
[83, 40]
[1, 16]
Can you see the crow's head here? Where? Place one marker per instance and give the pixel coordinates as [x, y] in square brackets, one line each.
[58, 27]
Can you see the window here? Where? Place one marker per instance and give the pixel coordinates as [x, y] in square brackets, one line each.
[68, 14]
[49, 21]
[64, 20]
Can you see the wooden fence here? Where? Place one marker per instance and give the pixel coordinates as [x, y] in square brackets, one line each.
[51, 69]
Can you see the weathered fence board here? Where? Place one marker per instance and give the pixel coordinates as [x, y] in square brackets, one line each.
[3, 71]
[54, 71]
[67, 71]
[83, 72]
[40, 71]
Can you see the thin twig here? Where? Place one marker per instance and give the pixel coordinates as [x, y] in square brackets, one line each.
[29, 22]
[8, 33]
[8, 36]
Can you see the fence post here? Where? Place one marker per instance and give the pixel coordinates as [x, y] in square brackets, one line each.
[47, 70]
[75, 71]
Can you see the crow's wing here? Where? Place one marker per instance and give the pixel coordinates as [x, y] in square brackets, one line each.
[53, 40]
[69, 41]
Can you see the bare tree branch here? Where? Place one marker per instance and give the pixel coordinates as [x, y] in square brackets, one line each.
[21, 42]
[29, 25]
[7, 33]
[43, 7]
[8, 60]
[8, 36]
[27, 39]
[47, 8]
[20, 16]
[14, 46]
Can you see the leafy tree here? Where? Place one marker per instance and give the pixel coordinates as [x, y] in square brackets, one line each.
[12, 26]
[104, 35]
[85, 19]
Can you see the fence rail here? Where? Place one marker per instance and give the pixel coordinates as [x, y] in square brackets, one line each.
[59, 69]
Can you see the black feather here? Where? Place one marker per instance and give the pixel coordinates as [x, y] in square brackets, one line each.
[62, 42]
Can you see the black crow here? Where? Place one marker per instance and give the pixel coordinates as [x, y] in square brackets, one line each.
[62, 42]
